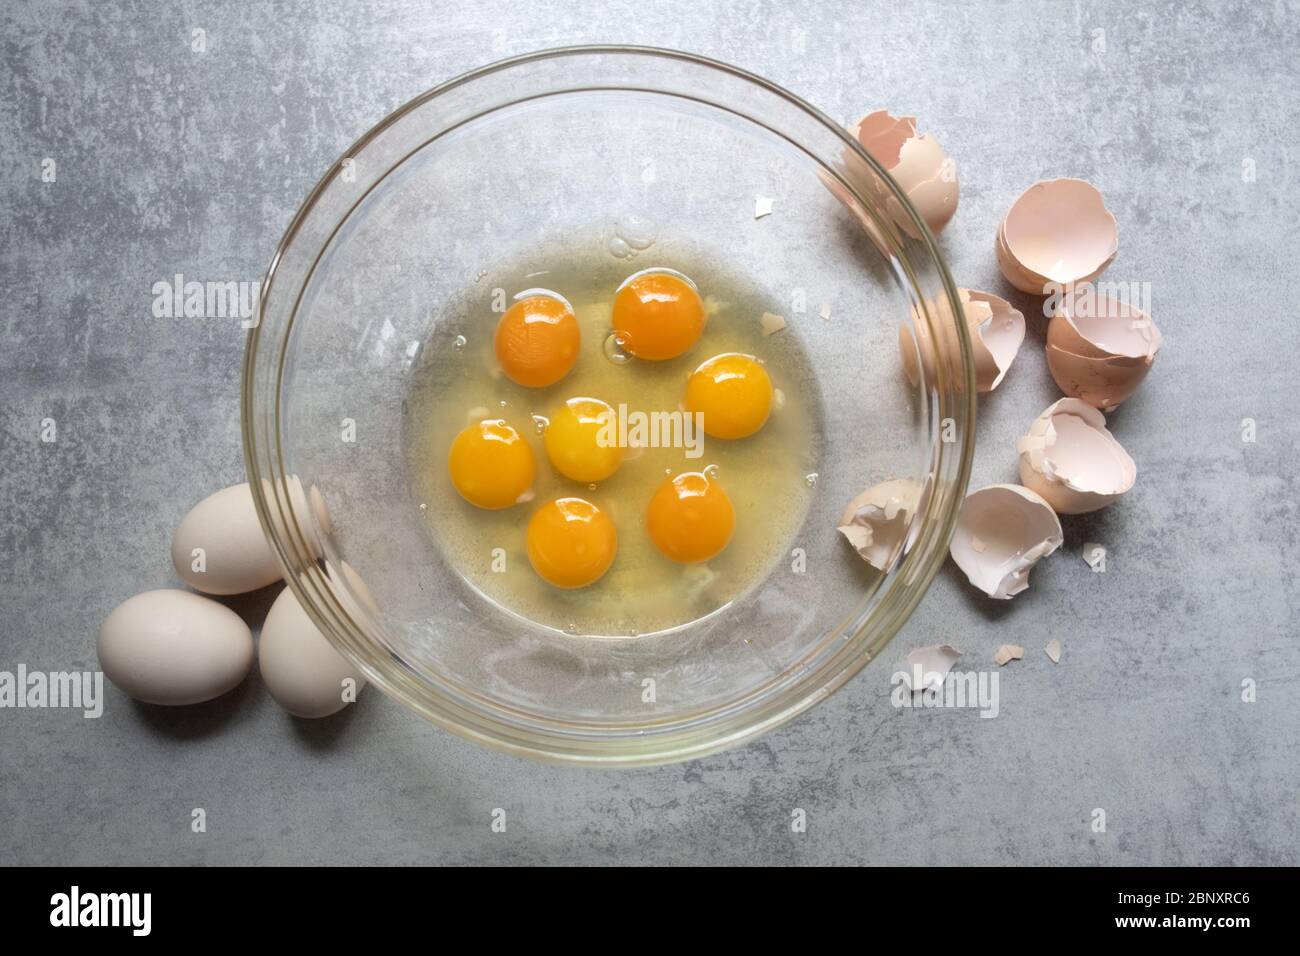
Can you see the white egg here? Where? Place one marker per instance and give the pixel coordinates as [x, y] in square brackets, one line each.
[220, 548]
[174, 647]
[300, 667]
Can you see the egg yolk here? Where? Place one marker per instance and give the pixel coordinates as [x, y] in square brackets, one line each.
[571, 542]
[658, 315]
[582, 440]
[537, 341]
[690, 518]
[491, 465]
[734, 393]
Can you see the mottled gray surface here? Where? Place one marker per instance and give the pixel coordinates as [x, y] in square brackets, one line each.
[170, 160]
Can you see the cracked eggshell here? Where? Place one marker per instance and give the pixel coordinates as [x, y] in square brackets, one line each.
[1070, 458]
[1002, 532]
[918, 348]
[1017, 275]
[1059, 230]
[867, 183]
[876, 522]
[1099, 348]
[917, 163]
[996, 331]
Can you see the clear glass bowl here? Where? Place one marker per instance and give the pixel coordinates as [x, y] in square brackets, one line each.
[514, 156]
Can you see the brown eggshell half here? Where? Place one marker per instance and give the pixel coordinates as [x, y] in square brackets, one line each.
[1061, 229]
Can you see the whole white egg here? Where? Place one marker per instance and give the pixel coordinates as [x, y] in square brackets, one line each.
[174, 647]
[300, 667]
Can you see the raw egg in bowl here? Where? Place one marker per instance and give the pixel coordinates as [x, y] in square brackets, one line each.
[580, 430]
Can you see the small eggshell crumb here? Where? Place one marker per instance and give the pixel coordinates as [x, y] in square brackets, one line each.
[772, 323]
[762, 206]
[929, 666]
[1007, 653]
[1053, 650]
[1095, 555]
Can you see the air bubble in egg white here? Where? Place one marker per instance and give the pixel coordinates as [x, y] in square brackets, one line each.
[711, 471]
[459, 343]
[613, 349]
[637, 231]
[541, 423]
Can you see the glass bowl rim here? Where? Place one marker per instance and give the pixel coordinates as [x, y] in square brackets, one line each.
[500, 727]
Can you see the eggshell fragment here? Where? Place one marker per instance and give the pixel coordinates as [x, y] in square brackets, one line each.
[1071, 459]
[876, 522]
[917, 164]
[1002, 532]
[1058, 231]
[173, 647]
[771, 323]
[299, 666]
[1008, 653]
[996, 331]
[1099, 348]
[929, 666]
[1053, 650]
[1095, 555]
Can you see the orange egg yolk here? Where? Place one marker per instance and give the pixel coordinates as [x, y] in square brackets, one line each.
[491, 465]
[571, 542]
[537, 341]
[733, 392]
[582, 440]
[658, 315]
[690, 518]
